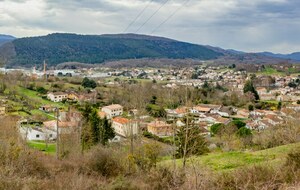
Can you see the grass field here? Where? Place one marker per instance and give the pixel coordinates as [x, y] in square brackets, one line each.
[226, 161]
[41, 146]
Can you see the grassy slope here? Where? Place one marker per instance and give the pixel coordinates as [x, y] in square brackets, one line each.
[223, 161]
[41, 146]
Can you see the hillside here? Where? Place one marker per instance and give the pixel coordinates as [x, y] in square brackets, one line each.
[293, 56]
[5, 38]
[60, 48]
[222, 161]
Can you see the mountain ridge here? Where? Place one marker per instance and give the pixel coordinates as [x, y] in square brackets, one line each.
[4, 38]
[94, 49]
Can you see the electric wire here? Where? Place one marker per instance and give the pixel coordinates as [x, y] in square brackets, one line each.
[168, 18]
[138, 16]
[149, 18]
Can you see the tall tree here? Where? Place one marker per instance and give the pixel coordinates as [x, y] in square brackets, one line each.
[96, 130]
[249, 87]
[190, 141]
[106, 131]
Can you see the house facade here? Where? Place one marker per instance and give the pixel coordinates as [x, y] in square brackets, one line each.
[160, 128]
[125, 127]
[37, 134]
[113, 110]
[57, 96]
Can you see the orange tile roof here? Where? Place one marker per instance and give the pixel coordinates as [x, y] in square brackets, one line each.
[114, 106]
[181, 110]
[202, 109]
[121, 120]
[52, 124]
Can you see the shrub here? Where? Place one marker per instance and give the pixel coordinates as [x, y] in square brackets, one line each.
[104, 161]
[163, 178]
[244, 132]
[215, 128]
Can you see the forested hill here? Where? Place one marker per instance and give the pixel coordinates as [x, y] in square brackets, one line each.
[58, 48]
[5, 38]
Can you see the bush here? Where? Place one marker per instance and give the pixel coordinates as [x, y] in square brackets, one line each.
[41, 90]
[254, 177]
[278, 135]
[244, 132]
[163, 178]
[215, 128]
[239, 124]
[104, 161]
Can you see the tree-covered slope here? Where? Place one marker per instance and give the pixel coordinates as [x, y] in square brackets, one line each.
[5, 38]
[59, 48]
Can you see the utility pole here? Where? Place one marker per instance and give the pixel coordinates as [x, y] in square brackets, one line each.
[185, 142]
[57, 133]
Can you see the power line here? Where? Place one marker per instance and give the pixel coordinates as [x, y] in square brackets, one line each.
[151, 16]
[138, 16]
[167, 19]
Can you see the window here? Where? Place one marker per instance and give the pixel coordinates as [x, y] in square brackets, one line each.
[37, 136]
[50, 135]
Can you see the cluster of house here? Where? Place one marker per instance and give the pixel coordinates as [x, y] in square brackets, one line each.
[284, 94]
[67, 123]
[204, 115]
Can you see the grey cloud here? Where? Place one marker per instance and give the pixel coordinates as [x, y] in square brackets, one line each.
[261, 25]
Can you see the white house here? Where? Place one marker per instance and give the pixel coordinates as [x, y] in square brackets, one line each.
[57, 96]
[124, 127]
[113, 110]
[37, 133]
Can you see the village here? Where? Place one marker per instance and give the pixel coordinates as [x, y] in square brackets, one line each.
[280, 95]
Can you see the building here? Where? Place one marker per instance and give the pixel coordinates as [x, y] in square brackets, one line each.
[160, 128]
[65, 127]
[37, 133]
[113, 110]
[124, 127]
[57, 96]
[47, 108]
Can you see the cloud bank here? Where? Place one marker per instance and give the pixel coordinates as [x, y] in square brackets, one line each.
[256, 25]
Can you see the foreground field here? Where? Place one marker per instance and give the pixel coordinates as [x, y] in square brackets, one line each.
[226, 161]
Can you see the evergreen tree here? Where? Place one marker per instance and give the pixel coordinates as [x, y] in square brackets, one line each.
[94, 121]
[87, 83]
[95, 130]
[190, 141]
[106, 131]
[249, 87]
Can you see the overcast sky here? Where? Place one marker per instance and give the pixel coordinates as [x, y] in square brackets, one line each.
[247, 25]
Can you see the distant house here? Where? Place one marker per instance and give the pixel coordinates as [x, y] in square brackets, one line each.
[57, 96]
[72, 96]
[113, 110]
[125, 127]
[2, 110]
[47, 108]
[65, 127]
[160, 128]
[243, 113]
[177, 113]
[37, 133]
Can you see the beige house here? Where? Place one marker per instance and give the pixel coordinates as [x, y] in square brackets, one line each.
[112, 110]
[57, 96]
[124, 127]
[160, 128]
